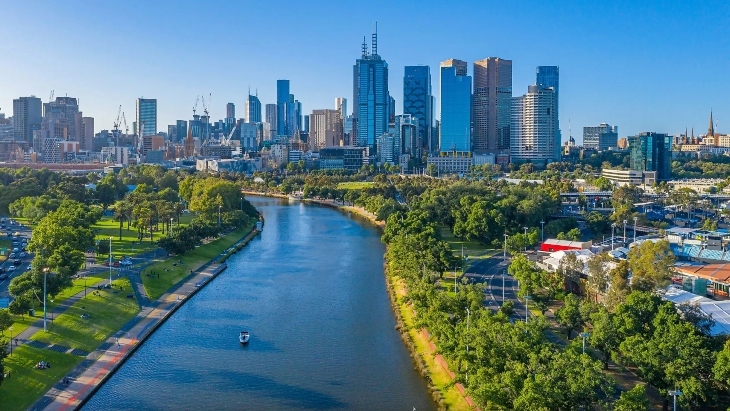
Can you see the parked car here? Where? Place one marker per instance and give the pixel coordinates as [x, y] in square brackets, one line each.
[12, 255]
[23, 255]
[11, 268]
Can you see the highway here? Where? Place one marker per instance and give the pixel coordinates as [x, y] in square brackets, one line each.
[492, 272]
[24, 233]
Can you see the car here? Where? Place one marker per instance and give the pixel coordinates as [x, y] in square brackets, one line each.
[16, 249]
[3, 276]
[11, 268]
[23, 255]
[12, 255]
[17, 262]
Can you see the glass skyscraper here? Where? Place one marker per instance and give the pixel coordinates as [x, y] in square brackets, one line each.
[549, 76]
[417, 101]
[182, 131]
[147, 115]
[370, 97]
[455, 134]
[652, 152]
[491, 103]
[253, 109]
[282, 100]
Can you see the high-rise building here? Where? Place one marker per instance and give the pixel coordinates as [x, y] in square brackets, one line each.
[27, 116]
[325, 129]
[391, 110]
[652, 152]
[306, 124]
[491, 103]
[87, 133]
[253, 109]
[230, 110]
[64, 111]
[147, 114]
[282, 107]
[182, 131]
[406, 129]
[549, 76]
[370, 96]
[603, 137]
[272, 118]
[341, 105]
[533, 127]
[418, 101]
[455, 134]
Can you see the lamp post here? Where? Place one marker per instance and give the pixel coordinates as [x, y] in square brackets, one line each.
[219, 216]
[110, 262]
[527, 310]
[613, 229]
[584, 335]
[675, 394]
[635, 218]
[11, 341]
[468, 314]
[625, 230]
[241, 203]
[84, 285]
[45, 274]
[542, 231]
[171, 222]
[525, 238]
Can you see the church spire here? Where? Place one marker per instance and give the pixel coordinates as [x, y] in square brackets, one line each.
[711, 127]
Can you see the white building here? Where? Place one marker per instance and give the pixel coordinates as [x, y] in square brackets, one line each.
[533, 128]
[249, 136]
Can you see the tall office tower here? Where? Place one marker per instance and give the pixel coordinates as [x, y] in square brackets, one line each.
[455, 134]
[27, 116]
[347, 131]
[341, 105]
[325, 129]
[405, 128]
[306, 124]
[549, 76]
[533, 127]
[391, 110]
[298, 116]
[272, 118]
[87, 133]
[282, 101]
[230, 110]
[603, 137]
[64, 110]
[370, 96]
[652, 152]
[171, 132]
[491, 105]
[253, 109]
[147, 113]
[182, 131]
[418, 101]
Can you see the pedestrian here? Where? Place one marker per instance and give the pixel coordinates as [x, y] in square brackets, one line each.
[118, 345]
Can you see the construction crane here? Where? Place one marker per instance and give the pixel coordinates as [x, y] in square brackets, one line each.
[207, 115]
[117, 123]
[227, 140]
[126, 128]
[140, 137]
[195, 107]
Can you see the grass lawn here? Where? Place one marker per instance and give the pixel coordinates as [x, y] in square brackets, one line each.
[129, 245]
[440, 379]
[473, 249]
[109, 312]
[78, 285]
[355, 185]
[20, 324]
[192, 260]
[26, 384]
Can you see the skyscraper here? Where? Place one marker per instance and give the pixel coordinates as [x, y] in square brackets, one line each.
[549, 76]
[147, 116]
[491, 107]
[455, 134]
[341, 105]
[230, 110]
[253, 109]
[603, 137]
[282, 101]
[64, 110]
[652, 152]
[533, 127]
[391, 110]
[87, 133]
[418, 101]
[370, 96]
[182, 131]
[27, 116]
[272, 118]
[325, 129]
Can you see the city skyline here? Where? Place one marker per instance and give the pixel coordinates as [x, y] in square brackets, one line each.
[630, 72]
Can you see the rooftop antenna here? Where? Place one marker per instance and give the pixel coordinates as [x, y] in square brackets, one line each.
[375, 39]
[364, 47]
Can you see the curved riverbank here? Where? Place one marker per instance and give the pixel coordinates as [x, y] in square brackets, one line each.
[422, 350]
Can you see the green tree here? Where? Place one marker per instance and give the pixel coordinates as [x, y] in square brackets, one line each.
[721, 369]
[651, 264]
[569, 316]
[5, 320]
[604, 336]
[634, 399]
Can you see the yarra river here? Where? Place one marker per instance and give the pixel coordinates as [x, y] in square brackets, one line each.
[311, 291]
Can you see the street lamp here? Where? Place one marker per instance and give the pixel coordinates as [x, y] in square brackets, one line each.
[584, 335]
[525, 238]
[219, 216]
[625, 230]
[11, 341]
[542, 228]
[468, 314]
[527, 310]
[241, 203]
[635, 218]
[613, 229]
[675, 394]
[84, 285]
[110, 262]
[45, 274]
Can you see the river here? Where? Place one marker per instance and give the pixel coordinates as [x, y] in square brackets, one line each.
[311, 291]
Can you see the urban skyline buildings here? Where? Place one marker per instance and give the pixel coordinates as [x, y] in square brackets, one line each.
[418, 102]
[230, 110]
[492, 101]
[602, 137]
[146, 109]
[455, 132]
[549, 76]
[533, 127]
[253, 109]
[27, 117]
[371, 98]
[651, 152]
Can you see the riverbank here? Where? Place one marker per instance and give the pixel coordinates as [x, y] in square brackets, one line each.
[427, 361]
[101, 364]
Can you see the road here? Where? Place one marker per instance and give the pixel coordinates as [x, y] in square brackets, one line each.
[24, 233]
[492, 272]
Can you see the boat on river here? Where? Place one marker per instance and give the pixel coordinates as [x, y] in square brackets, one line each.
[243, 337]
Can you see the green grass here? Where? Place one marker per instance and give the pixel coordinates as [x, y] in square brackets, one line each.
[109, 312]
[20, 324]
[355, 185]
[171, 271]
[473, 249]
[129, 245]
[76, 287]
[26, 384]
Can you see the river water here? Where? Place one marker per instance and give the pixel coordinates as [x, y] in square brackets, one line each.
[311, 291]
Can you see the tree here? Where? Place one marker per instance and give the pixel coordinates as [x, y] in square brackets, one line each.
[20, 305]
[709, 224]
[570, 267]
[604, 336]
[695, 316]
[530, 277]
[634, 399]
[5, 320]
[721, 369]
[507, 308]
[598, 279]
[651, 264]
[569, 316]
[597, 222]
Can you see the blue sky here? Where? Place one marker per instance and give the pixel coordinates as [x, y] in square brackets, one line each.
[643, 66]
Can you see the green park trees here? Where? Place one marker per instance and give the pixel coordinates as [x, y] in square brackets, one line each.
[651, 264]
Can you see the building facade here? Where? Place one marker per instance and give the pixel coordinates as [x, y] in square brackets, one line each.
[549, 76]
[272, 117]
[603, 137]
[325, 129]
[342, 158]
[533, 127]
[455, 133]
[87, 133]
[652, 152]
[230, 110]
[253, 109]
[147, 116]
[418, 101]
[27, 116]
[64, 111]
[491, 103]
[371, 98]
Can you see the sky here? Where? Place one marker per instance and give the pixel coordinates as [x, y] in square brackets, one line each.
[640, 65]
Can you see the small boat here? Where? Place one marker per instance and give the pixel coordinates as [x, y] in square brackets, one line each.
[243, 337]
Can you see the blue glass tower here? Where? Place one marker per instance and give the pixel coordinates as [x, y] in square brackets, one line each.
[549, 76]
[417, 101]
[370, 96]
[282, 100]
[652, 152]
[455, 135]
